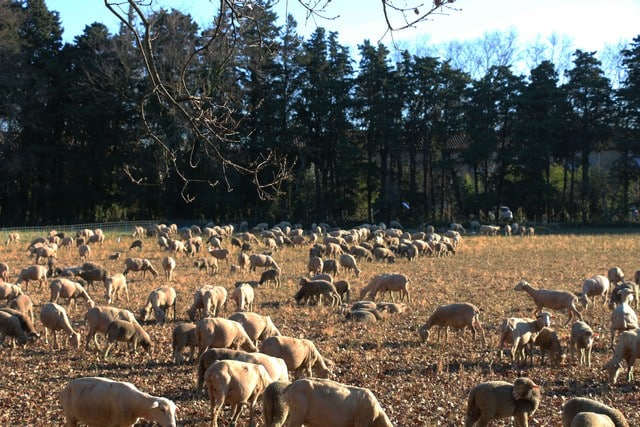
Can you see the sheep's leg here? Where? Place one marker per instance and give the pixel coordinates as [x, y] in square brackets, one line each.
[46, 338]
[107, 347]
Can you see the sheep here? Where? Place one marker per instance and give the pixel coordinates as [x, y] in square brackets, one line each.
[220, 254]
[115, 256]
[462, 315]
[361, 253]
[596, 285]
[391, 307]
[102, 401]
[615, 298]
[207, 264]
[84, 251]
[235, 383]
[257, 326]
[66, 288]
[243, 261]
[623, 317]
[582, 337]
[366, 316]
[555, 300]
[333, 250]
[160, 301]
[9, 291]
[343, 288]
[222, 333]
[25, 322]
[96, 238]
[330, 266]
[520, 332]
[306, 401]
[93, 274]
[32, 272]
[131, 333]
[10, 326]
[312, 289]
[615, 275]
[209, 299]
[139, 264]
[99, 317]
[184, 334]
[260, 260]
[577, 405]
[138, 231]
[591, 419]
[23, 304]
[4, 271]
[54, 318]
[244, 296]
[627, 348]
[300, 355]
[348, 262]
[499, 399]
[384, 254]
[387, 283]
[13, 237]
[323, 276]
[276, 367]
[168, 266]
[271, 275]
[114, 286]
[548, 342]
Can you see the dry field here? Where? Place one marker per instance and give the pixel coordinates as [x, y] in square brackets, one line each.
[417, 384]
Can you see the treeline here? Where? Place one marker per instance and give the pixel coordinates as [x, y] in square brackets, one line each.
[416, 138]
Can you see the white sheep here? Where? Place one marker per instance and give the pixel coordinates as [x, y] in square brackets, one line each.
[627, 348]
[84, 251]
[160, 300]
[168, 266]
[9, 291]
[98, 318]
[209, 300]
[348, 262]
[499, 399]
[387, 283]
[243, 295]
[462, 315]
[300, 355]
[102, 401]
[209, 264]
[131, 333]
[307, 401]
[582, 337]
[222, 333]
[13, 237]
[615, 275]
[33, 272]
[315, 290]
[220, 254]
[23, 304]
[595, 286]
[261, 260]
[235, 383]
[548, 342]
[54, 317]
[521, 332]
[66, 288]
[114, 286]
[257, 326]
[184, 335]
[271, 275]
[139, 264]
[4, 271]
[555, 300]
[623, 317]
[578, 405]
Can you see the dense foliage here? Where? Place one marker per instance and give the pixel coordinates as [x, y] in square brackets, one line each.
[84, 136]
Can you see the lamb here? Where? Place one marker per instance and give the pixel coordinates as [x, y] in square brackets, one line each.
[235, 383]
[582, 337]
[184, 334]
[520, 332]
[66, 288]
[114, 286]
[306, 401]
[627, 348]
[244, 296]
[131, 333]
[555, 300]
[596, 285]
[10, 326]
[499, 399]
[462, 315]
[23, 304]
[348, 262]
[222, 333]
[207, 264]
[260, 260]
[100, 317]
[623, 317]
[276, 367]
[387, 283]
[160, 301]
[271, 275]
[312, 289]
[168, 266]
[547, 340]
[9, 291]
[208, 299]
[300, 355]
[615, 275]
[258, 327]
[102, 401]
[139, 264]
[32, 272]
[578, 405]
[54, 318]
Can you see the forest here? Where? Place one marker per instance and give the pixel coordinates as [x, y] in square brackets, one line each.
[254, 122]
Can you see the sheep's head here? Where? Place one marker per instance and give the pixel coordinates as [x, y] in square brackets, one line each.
[612, 370]
[424, 333]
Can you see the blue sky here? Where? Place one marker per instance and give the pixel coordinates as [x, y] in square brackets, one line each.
[590, 23]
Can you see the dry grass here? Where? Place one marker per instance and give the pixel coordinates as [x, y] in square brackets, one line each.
[417, 384]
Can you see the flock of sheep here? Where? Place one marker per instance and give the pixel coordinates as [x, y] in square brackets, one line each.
[243, 359]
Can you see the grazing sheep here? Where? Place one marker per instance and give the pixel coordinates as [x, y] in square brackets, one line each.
[616, 294]
[124, 331]
[13, 237]
[102, 401]
[25, 321]
[271, 275]
[387, 283]
[244, 296]
[362, 315]
[160, 301]
[93, 274]
[578, 405]
[300, 355]
[348, 262]
[548, 342]
[462, 315]
[222, 333]
[235, 383]
[10, 326]
[139, 264]
[623, 317]
[114, 286]
[264, 261]
[168, 266]
[276, 367]
[391, 307]
[595, 286]
[23, 304]
[220, 254]
[521, 332]
[582, 337]
[138, 231]
[98, 318]
[54, 318]
[591, 419]
[207, 264]
[323, 276]
[257, 326]
[66, 288]
[184, 334]
[615, 275]
[555, 300]
[627, 349]
[306, 401]
[4, 271]
[9, 291]
[316, 289]
[499, 399]
[343, 288]
[315, 265]
[115, 256]
[209, 300]
[33, 272]
[84, 251]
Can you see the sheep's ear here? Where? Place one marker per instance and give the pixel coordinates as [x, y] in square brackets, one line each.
[155, 404]
[596, 335]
